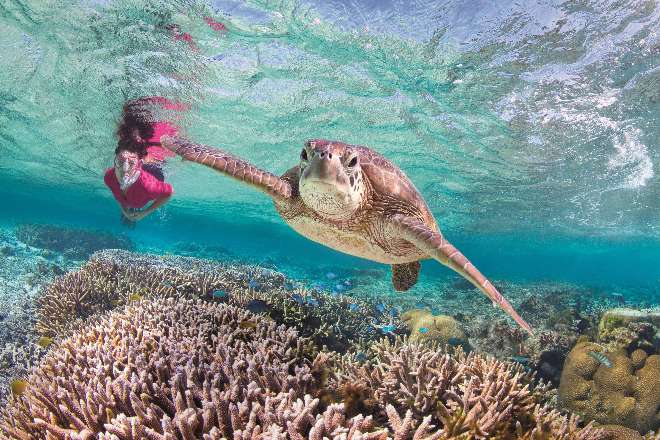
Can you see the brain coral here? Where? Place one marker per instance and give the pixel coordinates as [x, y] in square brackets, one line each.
[423, 325]
[626, 393]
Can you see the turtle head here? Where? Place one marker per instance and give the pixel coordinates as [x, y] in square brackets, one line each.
[331, 181]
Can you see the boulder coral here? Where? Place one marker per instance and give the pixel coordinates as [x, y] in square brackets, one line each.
[423, 325]
[627, 392]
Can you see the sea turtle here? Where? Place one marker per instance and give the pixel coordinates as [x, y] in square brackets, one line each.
[352, 199]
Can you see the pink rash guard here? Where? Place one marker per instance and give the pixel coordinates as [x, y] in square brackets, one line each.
[145, 189]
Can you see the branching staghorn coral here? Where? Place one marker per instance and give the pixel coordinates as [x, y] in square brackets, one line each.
[113, 278]
[172, 368]
[177, 368]
[465, 395]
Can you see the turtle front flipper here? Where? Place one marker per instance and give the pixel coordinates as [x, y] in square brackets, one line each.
[405, 275]
[438, 248]
[230, 165]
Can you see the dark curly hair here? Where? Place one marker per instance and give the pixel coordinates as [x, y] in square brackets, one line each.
[136, 126]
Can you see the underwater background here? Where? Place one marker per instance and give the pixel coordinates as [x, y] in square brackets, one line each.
[531, 129]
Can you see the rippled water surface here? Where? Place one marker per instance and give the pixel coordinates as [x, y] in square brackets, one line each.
[531, 128]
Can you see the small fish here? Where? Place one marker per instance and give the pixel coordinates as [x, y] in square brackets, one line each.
[312, 301]
[340, 287]
[252, 284]
[420, 305]
[388, 328]
[218, 294]
[601, 358]
[18, 386]
[44, 341]
[331, 275]
[423, 330]
[520, 359]
[380, 308]
[133, 297]
[353, 307]
[435, 312]
[257, 306]
[348, 282]
[394, 312]
[297, 298]
[247, 324]
[455, 342]
[360, 357]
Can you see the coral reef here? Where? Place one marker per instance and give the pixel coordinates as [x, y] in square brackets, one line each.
[178, 368]
[423, 325]
[171, 368]
[112, 278]
[23, 270]
[467, 395]
[629, 328]
[71, 242]
[614, 387]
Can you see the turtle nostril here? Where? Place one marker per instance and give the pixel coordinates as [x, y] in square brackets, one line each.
[329, 155]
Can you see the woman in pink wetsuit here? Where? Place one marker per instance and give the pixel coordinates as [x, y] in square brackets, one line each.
[137, 177]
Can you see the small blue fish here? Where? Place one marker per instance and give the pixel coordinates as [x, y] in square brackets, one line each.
[297, 298]
[219, 294]
[455, 342]
[312, 301]
[435, 312]
[257, 306]
[360, 357]
[388, 328]
[380, 308]
[353, 307]
[601, 358]
[252, 284]
[520, 359]
[348, 282]
[394, 312]
[420, 305]
[331, 275]
[423, 330]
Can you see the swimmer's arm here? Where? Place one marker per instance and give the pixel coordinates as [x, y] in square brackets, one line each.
[151, 208]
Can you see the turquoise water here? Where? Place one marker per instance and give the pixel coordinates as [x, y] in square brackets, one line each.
[531, 130]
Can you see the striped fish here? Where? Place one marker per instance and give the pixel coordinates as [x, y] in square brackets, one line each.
[601, 358]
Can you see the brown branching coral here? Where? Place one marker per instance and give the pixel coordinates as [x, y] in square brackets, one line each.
[465, 395]
[113, 278]
[163, 370]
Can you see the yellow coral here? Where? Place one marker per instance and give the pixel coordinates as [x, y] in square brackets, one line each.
[424, 326]
[626, 393]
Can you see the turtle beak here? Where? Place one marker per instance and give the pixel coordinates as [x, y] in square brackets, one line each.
[324, 167]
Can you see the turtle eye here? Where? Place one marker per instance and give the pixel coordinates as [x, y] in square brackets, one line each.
[353, 161]
[303, 154]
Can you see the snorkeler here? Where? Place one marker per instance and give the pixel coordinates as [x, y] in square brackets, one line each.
[137, 177]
